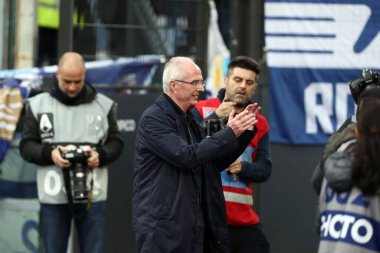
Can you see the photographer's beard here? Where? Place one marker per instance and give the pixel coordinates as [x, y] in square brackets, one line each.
[237, 104]
[240, 105]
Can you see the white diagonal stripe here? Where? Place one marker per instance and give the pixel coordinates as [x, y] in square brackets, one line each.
[238, 198]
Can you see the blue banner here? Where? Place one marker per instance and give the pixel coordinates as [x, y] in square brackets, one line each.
[314, 48]
[133, 71]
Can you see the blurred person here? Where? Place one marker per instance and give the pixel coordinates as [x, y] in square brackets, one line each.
[346, 133]
[178, 203]
[71, 133]
[350, 219]
[344, 137]
[254, 165]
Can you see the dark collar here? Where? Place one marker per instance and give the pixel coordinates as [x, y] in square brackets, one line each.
[176, 107]
[86, 95]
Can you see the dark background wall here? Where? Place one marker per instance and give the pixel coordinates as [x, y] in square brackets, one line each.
[287, 203]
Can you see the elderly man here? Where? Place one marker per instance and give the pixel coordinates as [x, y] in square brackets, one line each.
[178, 203]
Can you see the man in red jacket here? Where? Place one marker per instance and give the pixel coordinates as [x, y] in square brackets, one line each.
[253, 166]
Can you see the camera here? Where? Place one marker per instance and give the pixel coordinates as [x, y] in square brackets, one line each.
[214, 125]
[367, 78]
[78, 173]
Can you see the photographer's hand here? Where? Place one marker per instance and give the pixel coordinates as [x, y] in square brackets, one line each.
[234, 169]
[93, 160]
[58, 160]
[225, 109]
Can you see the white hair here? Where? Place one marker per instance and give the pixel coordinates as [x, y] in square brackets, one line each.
[172, 70]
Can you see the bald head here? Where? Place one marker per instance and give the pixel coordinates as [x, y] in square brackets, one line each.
[71, 60]
[70, 73]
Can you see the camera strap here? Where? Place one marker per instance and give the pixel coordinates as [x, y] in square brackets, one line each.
[90, 193]
[66, 174]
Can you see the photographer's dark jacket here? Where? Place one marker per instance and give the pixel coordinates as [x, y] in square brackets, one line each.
[178, 203]
[52, 119]
[343, 135]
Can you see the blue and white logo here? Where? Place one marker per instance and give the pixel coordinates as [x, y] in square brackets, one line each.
[314, 48]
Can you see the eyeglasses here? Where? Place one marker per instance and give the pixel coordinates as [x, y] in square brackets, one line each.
[194, 83]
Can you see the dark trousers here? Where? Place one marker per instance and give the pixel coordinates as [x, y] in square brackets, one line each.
[248, 239]
[55, 221]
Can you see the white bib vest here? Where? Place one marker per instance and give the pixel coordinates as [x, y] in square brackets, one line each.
[61, 124]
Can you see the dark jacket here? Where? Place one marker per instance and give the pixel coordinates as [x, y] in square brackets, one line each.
[337, 167]
[344, 134]
[337, 171]
[177, 192]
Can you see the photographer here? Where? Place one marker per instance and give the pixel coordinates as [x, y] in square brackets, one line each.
[350, 219]
[338, 179]
[71, 133]
[254, 165]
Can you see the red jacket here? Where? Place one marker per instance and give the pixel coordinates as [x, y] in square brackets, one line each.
[238, 193]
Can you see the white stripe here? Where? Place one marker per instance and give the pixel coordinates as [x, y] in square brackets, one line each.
[288, 43]
[8, 127]
[320, 19]
[238, 198]
[15, 105]
[300, 27]
[10, 106]
[5, 116]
